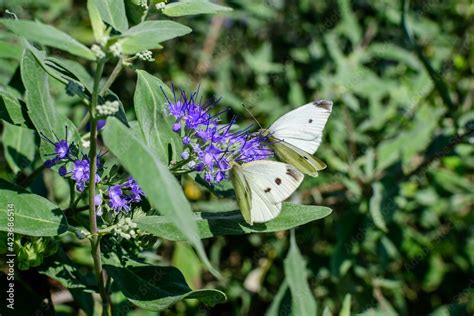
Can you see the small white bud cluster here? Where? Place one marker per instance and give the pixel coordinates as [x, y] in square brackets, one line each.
[160, 6]
[108, 108]
[98, 52]
[116, 49]
[126, 229]
[146, 55]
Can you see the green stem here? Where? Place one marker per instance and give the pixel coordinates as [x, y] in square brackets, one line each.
[112, 77]
[72, 196]
[95, 239]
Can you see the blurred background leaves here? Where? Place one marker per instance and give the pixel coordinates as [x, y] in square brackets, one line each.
[399, 148]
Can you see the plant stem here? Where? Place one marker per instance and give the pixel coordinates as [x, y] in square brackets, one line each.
[95, 239]
[112, 77]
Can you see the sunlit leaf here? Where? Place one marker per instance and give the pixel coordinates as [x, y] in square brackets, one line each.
[150, 107]
[303, 302]
[232, 223]
[160, 186]
[112, 12]
[156, 287]
[33, 215]
[149, 34]
[192, 7]
[48, 35]
[18, 146]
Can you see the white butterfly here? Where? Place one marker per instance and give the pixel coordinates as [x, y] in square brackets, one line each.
[261, 187]
[297, 135]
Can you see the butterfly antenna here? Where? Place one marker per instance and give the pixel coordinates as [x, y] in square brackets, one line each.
[255, 119]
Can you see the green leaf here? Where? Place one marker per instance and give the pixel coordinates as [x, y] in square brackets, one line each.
[281, 303]
[61, 268]
[191, 7]
[40, 57]
[98, 26]
[375, 206]
[49, 36]
[120, 114]
[346, 306]
[149, 34]
[186, 261]
[232, 223]
[41, 110]
[327, 311]
[349, 23]
[135, 11]
[33, 214]
[113, 13]
[160, 186]
[19, 146]
[10, 50]
[304, 303]
[156, 287]
[71, 70]
[150, 105]
[11, 110]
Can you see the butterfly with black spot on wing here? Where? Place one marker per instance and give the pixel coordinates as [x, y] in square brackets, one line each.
[261, 186]
[296, 136]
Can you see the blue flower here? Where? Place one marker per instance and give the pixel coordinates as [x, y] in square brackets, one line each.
[121, 196]
[81, 174]
[61, 149]
[210, 147]
[51, 162]
[176, 127]
[98, 200]
[98, 203]
[62, 171]
[135, 190]
[117, 200]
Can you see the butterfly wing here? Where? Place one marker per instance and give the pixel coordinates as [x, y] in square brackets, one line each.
[242, 192]
[270, 183]
[298, 158]
[303, 127]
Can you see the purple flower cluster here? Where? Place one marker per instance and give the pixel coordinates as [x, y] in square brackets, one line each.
[76, 166]
[122, 195]
[67, 155]
[210, 146]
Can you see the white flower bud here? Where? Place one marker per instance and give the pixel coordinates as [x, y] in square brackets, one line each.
[116, 49]
[145, 55]
[97, 50]
[160, 6]
[108, 108]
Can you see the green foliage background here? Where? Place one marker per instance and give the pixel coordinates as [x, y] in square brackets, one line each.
[398, 145]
